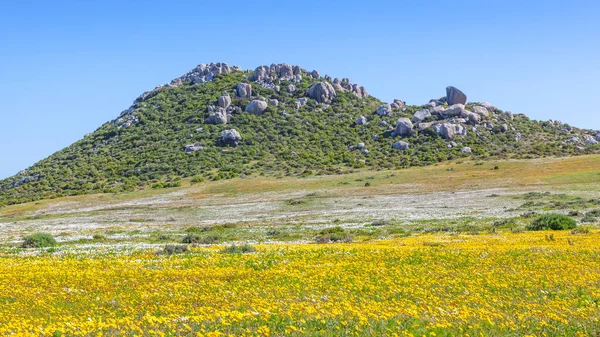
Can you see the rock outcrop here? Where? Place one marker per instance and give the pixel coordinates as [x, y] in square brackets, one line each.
[224, 100]
[219, 116]
[25, 180]
[362, 120]
[244, 90]
[384, 110]
[404, 127]
[421, 115]
[449, 131]
[344, 85]
[589, 140]
[283, 72]
[230, 137]
[398, 104]
[192, 148]
[481, 110]
[471, 116]
[256, 107]
[201, 74]
[455, 96]
[453, 111]
[400, 145]
[322, 92]
[301, 102]
[488, 106]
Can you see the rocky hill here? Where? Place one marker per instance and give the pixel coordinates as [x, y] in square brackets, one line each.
[220, 122]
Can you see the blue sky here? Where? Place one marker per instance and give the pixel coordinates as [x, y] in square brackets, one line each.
[68, 66]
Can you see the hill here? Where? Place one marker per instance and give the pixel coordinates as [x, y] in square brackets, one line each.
[219, 122]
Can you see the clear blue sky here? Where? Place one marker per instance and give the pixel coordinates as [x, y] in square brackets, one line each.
[66, 67]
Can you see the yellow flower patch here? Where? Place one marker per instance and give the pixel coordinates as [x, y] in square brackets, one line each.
[432, 285]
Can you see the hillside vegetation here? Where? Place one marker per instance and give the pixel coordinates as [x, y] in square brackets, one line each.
[169, 134]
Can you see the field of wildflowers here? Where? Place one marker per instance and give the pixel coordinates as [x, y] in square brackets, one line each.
[509, 284]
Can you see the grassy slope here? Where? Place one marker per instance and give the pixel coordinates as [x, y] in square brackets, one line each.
[573, 173]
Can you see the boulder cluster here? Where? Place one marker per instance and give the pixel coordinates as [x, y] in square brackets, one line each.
[201, 74]
[345, 85]
[271, 76]
[448, 116]
[282, 72]
[265, 76]
[323, 92]
[24, 179]
[221, 113]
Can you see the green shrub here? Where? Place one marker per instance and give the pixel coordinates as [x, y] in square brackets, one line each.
[588, 218]
[210, 239]
[174, 249]
[98, 237]
[295, 202]
[552, 221]
[197, 180]
[504, 222]
[379, 223]
[341, 237]
[273, 232]
[204, 240]
[591, 216]
[332, 230]
[191, 238]
[233, 249]
[581, 230]
[39, 240]
[333, 234]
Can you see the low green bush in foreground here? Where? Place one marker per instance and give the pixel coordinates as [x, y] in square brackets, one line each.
[39, 240]
[551, 221]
